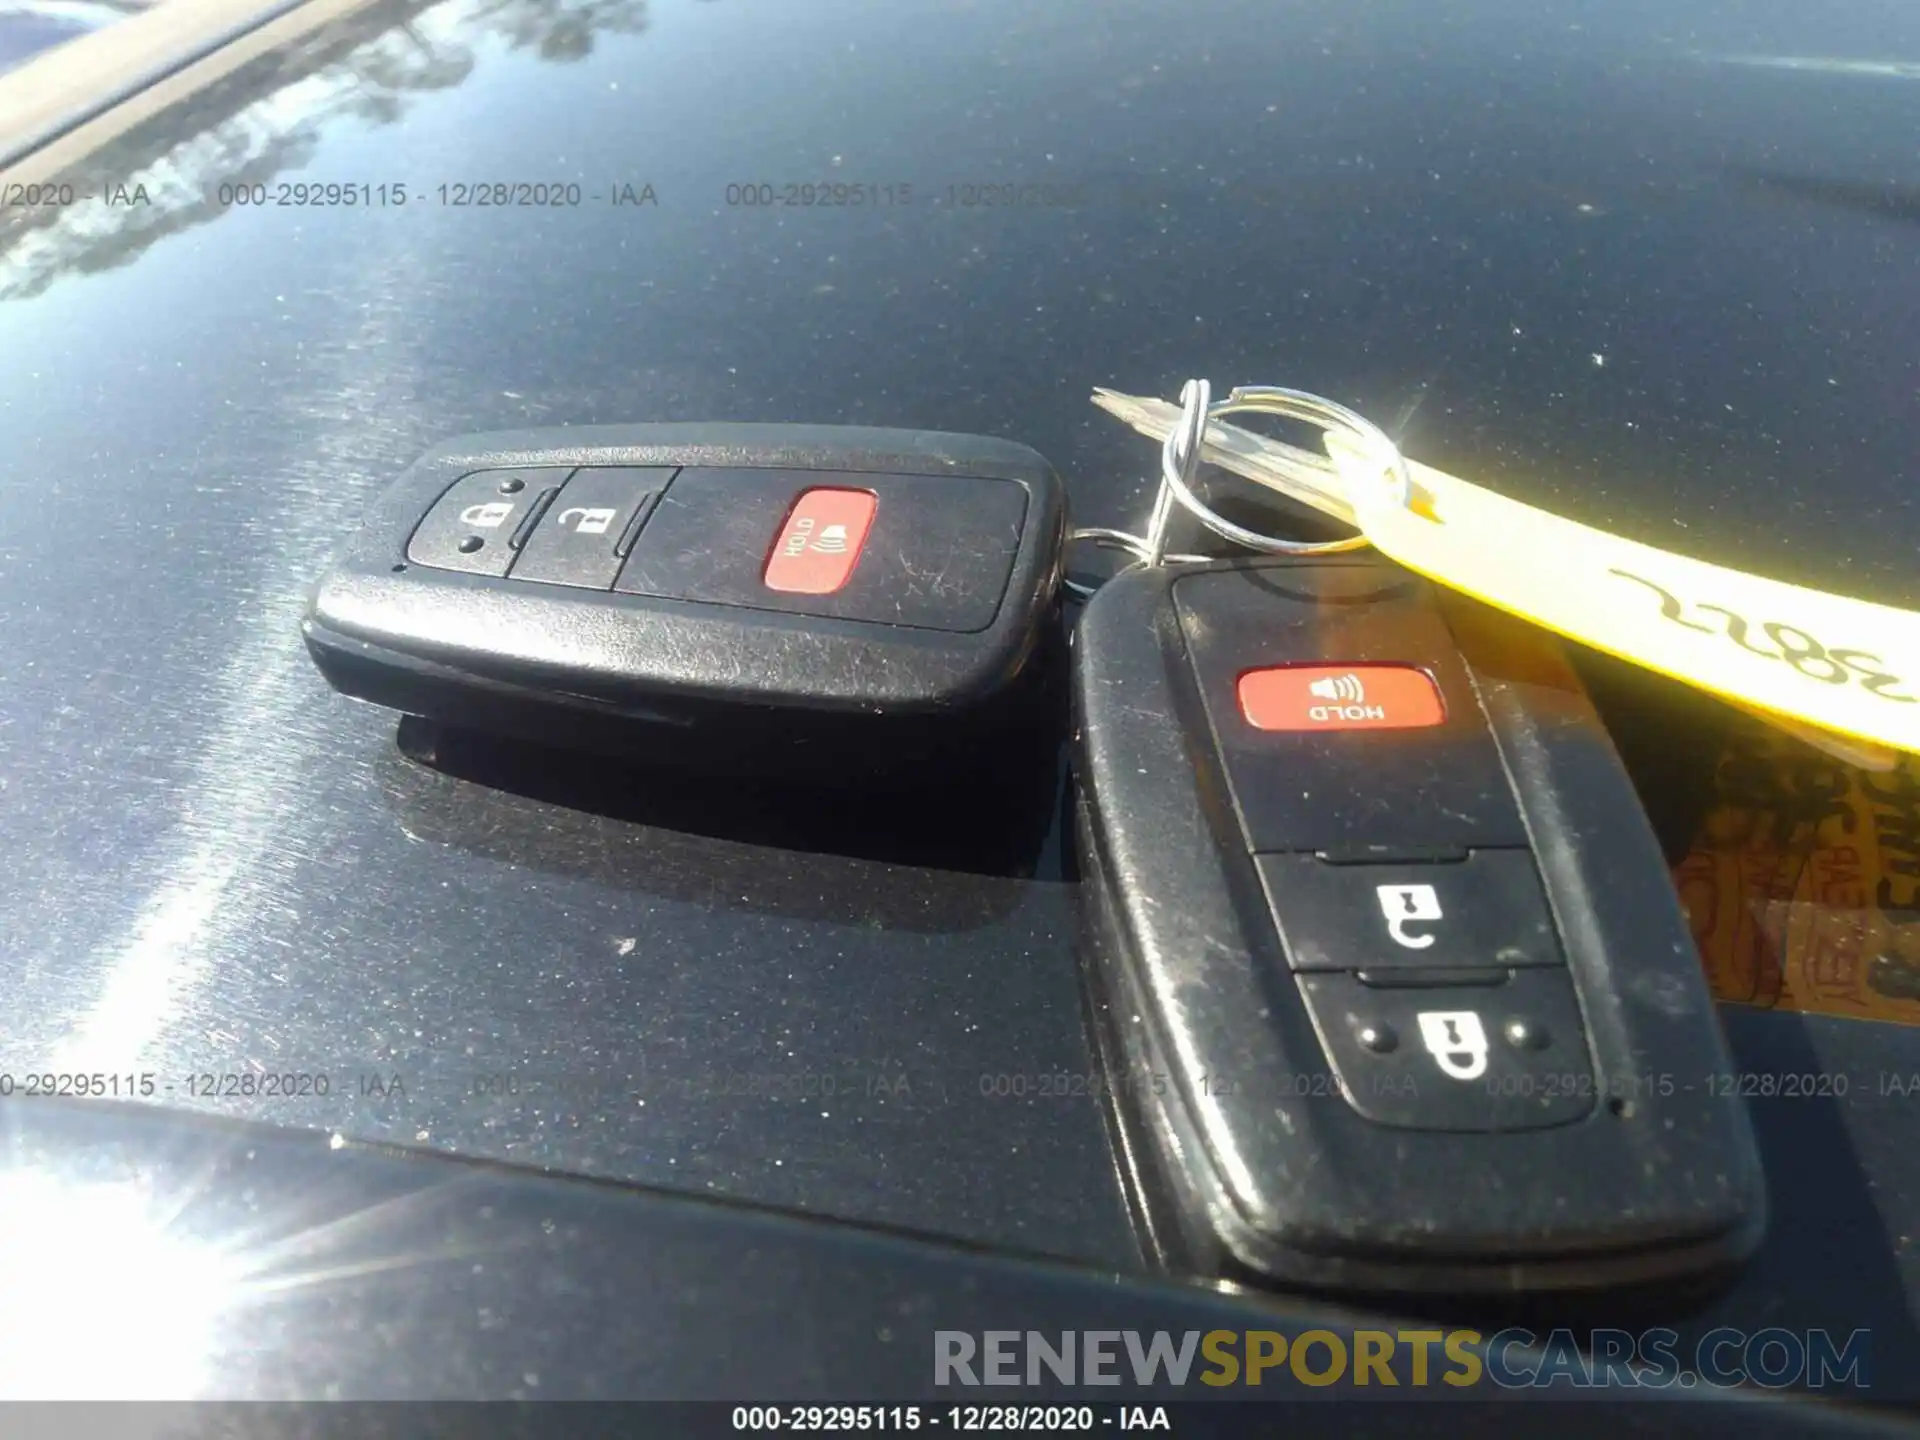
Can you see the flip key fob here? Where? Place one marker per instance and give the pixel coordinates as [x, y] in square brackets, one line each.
[1392, 984]
[750, 591]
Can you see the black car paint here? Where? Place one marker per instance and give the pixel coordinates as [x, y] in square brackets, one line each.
[304, 1268]
[1595, 257]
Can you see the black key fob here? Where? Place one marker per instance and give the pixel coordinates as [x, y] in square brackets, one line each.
[756, 595]
[1391, 981]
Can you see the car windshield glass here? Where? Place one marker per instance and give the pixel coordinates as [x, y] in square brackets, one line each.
[1649, 269]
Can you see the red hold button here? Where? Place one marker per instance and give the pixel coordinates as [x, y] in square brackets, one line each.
[821, 541]
[1340, 697]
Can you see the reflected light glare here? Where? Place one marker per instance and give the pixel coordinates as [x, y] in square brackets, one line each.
[99, 1302]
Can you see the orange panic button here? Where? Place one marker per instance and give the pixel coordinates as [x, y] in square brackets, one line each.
[1340, 697]
[820, 543]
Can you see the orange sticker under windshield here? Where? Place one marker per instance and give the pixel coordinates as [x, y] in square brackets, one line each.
[1803, 885]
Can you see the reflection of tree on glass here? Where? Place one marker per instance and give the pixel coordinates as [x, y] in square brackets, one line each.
[386, 73]
[248, 126]
[563, 31]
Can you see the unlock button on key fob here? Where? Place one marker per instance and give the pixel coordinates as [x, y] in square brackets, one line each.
[1486, 912]
[587, 531]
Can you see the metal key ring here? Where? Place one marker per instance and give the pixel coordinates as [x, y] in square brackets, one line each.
[1177, 464]
[1180, 463]
[1328, 415]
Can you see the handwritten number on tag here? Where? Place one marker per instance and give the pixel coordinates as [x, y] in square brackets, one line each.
[1874, 681]
[1670, 606]
[1799, 649]
[1736, 630]
[1810, 652]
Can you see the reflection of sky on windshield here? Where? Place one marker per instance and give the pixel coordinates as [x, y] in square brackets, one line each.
[274, 134]
[23, 36]
[1428, 217]
[982, 86]
[1818, 65]
[29, 27]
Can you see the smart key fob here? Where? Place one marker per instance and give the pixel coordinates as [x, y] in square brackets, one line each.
[1390, 980]
[757, 595]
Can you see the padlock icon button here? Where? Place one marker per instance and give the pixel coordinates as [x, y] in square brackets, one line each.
[1457, 1041]
[489, 516]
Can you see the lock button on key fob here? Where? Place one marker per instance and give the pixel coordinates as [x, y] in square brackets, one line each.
[1507, 1056]
[474, 526]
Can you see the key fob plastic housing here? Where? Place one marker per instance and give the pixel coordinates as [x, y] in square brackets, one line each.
[753, 594]
[1389, 978]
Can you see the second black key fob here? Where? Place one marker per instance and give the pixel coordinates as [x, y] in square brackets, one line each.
[1393, 986]
[808, 598]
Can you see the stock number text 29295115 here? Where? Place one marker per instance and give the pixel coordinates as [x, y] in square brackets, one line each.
[395, 195]
[1789, 644]
[308, 195]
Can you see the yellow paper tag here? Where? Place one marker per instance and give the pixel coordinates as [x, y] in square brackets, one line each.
[1844, 665]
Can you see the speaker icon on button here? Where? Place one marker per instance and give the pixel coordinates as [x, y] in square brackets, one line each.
[1345, 687]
